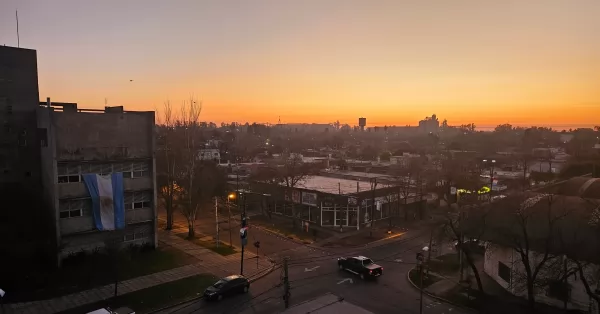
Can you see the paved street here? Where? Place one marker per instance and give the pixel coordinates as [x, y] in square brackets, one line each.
[313, 272]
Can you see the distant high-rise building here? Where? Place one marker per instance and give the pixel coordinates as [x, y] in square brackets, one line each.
[362, 123]
[429, 125]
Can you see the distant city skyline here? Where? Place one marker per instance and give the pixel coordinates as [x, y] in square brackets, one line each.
[531, 62]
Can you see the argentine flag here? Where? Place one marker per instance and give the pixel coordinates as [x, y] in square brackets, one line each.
[108, 206]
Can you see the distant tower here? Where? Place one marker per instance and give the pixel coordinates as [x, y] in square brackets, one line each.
[362, 122]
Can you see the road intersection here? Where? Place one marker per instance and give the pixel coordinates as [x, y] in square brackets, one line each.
[313, 272]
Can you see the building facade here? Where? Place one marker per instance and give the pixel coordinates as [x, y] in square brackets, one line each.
[77, 142]
[19, 97]
[23, 227]
[429, 125]
[209, 154]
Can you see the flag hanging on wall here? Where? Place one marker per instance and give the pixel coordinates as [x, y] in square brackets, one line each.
[108, 206]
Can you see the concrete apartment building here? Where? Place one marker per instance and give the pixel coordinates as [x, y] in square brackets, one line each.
[45, 152]
[19, 156]
[19, 97]
[79, 142]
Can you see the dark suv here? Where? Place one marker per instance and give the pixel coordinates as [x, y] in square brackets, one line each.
[227, 286]
[360, 265]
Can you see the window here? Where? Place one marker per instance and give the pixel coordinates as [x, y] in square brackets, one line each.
[73, 208]
[504, 272]
[69, 173]
[559, 290]
[134, 236]
[134, 170]
[72, 172]
[138, 200]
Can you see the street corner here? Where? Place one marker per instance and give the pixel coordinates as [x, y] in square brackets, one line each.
[431, 285]
[366, 238]
[262, 273]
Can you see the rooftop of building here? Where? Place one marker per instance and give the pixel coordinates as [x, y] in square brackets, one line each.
[333, 185]
[73, 107]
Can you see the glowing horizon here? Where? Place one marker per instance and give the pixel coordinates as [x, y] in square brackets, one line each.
[525, 63]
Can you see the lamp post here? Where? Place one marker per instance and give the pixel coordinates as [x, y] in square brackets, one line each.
[492, 163]
[426, 250]
[230, 197]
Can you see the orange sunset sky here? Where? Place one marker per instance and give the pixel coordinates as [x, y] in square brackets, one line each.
[526, 62]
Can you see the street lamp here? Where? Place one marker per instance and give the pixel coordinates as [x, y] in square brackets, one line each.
[492, 163]
[231, 196]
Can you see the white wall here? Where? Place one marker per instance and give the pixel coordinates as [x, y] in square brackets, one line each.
[495, 254]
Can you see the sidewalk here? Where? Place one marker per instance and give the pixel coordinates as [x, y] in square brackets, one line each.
[217, 264]
[209, 262]
[106, 292]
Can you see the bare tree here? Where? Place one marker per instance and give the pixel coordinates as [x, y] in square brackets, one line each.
[167, 163]
[190, 202]
[533, 233]
[468, 220]
[405, 175]
[524, 160]
[291, 172]
[589, 273]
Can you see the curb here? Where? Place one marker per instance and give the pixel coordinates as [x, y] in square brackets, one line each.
[263, 274]
[436, 297]
[280, 235]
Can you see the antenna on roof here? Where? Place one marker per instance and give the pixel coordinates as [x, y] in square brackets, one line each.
[18, 39]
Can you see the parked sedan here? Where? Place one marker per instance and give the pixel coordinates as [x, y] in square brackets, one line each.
[227, 286]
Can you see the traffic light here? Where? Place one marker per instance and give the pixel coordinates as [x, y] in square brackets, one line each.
[420, 257]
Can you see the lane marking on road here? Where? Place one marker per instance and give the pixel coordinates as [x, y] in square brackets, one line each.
[311, 269]
[347, 279]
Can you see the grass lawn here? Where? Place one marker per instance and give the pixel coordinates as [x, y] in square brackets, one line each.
[146, 300]
[223, 248]
[89, 271]
[427, 280]
[444, 264]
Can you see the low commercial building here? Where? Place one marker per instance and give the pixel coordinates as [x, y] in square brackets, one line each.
[98, 173]
[337, 202]
[209, 154]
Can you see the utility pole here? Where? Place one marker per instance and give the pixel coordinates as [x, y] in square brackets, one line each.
[421, 289]
[420, 263]
[217, 218]
[429, 251]
[373, 187]
[286, 283]
[460, 246]
[243, 239]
